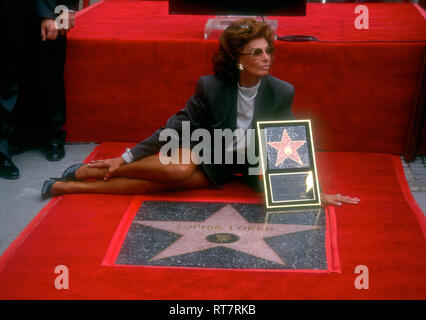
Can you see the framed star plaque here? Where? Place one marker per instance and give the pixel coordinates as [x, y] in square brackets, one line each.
[288, 164]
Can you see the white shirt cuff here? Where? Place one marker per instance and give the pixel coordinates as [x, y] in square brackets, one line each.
[127, 156]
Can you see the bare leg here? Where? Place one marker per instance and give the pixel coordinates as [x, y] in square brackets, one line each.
[149, 168]
[122, 185]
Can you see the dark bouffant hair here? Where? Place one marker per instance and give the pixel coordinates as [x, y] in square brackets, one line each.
[233, 40]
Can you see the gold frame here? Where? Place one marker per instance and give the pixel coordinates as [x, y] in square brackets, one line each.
[292, 204]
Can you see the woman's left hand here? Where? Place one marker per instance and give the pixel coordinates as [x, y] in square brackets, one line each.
[337, 200]
[110, 164]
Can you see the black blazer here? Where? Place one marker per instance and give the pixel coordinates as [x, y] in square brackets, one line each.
[46, 8]
[214, 106]
[20, 35]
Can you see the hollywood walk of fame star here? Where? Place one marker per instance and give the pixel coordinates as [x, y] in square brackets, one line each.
[287, 148]
[228, 229]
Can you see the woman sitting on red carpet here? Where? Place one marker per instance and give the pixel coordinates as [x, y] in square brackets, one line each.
[240, 93]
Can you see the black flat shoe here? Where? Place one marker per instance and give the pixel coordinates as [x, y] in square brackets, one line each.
[57, 179]
[46, 190]
[55, 152]
[8, 170]
[69, 173]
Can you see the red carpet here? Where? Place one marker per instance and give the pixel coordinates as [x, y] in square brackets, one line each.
[385, 232]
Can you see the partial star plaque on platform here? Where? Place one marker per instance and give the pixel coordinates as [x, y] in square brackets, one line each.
[288, 164]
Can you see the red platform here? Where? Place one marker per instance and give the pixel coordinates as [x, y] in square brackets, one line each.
[130, 66]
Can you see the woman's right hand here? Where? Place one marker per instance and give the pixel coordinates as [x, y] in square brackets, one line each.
[111, 164]
[337, 200]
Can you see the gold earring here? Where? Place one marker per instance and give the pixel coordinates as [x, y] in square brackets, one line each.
[240, 67]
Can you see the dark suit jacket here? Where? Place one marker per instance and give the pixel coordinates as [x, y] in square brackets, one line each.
[214, 106]
[20, 33]
[46, 8]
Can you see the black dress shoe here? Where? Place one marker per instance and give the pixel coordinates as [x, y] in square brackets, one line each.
[8, 170]
[55, 152]
[69, 173]
[46, 190]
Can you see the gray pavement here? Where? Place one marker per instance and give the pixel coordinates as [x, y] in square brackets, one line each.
[415, 173]
[20, 199]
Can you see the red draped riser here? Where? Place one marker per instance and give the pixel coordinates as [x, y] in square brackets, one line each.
[131, 65]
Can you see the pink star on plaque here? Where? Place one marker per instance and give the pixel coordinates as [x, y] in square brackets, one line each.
[287, 148]
[227, 228]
